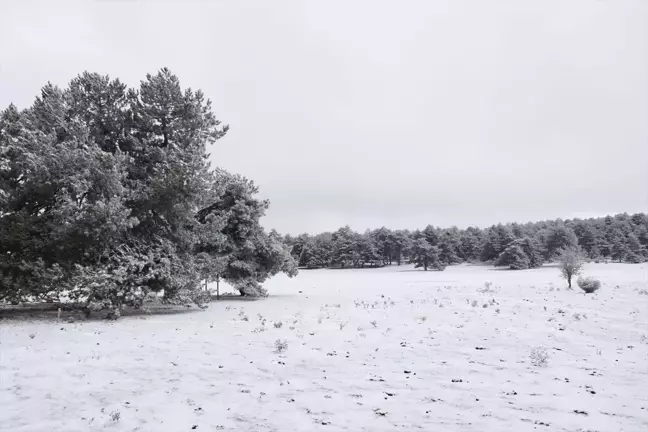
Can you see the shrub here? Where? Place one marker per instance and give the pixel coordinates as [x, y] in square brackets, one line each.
[281, 345]
[588, 284]
[488, 288]
[539, 356]
[278, 324]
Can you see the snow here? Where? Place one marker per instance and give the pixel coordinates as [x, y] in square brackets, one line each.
[215, 371]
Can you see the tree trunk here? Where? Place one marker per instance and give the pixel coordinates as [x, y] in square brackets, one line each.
[217, 287]
[165, 133]
[569, 281]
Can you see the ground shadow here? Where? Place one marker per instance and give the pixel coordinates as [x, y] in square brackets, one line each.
[50, 312]
[419, 270]
[232, 298]
[71, 313]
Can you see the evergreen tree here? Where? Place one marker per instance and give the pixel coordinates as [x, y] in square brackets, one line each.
[470, 245]
[449, 247]
[619, 249]
[588, 238]
[514, 258]
[560, 237]
[425, 255]
[636, 253]
[431, 235]
[531, 249]
[235, 236]
[343, 247]
[383, 240]
[498, 238]
[317, 252]
[401, 244]
[367, 251]
[106, 193]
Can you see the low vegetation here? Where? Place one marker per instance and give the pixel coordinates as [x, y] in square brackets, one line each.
[588, 284]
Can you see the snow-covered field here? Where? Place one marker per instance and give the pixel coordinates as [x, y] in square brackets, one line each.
[367, 350]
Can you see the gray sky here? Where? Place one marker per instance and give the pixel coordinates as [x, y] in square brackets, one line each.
[370, 113]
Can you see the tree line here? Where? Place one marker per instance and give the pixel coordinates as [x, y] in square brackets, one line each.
[620, 238]
[107, 197]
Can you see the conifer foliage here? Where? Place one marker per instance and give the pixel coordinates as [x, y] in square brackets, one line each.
[107, 195]
[620, 238]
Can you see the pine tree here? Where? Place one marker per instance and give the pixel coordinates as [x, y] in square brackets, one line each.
[230, 230]
[106, 193]
[532, 250]
[401, 244]
[498, 238]
[449, 247]
[470, 245]
[636, 253]
[426, 255]
[367, 251]
[317, 252]
[514, 258]
[343, 247]
[619, 249]
[560, 237]
[382, 240]
[431, 235]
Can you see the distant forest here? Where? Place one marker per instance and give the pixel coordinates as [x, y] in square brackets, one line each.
[619, 238]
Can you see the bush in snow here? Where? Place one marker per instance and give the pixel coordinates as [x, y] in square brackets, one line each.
[539, 356]
[281, 345]
[588, 284]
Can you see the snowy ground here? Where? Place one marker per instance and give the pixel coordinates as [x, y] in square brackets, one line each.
[367, 350]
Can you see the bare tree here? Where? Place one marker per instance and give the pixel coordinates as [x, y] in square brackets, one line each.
[571, 262]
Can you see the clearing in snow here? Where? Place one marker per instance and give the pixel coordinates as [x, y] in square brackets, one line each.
[467, 349]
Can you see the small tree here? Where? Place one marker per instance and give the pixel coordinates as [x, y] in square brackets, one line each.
[571, 262]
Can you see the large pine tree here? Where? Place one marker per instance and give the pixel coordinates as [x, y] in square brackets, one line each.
[106, 195]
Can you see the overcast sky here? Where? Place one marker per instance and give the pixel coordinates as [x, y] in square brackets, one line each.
[370, 113]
